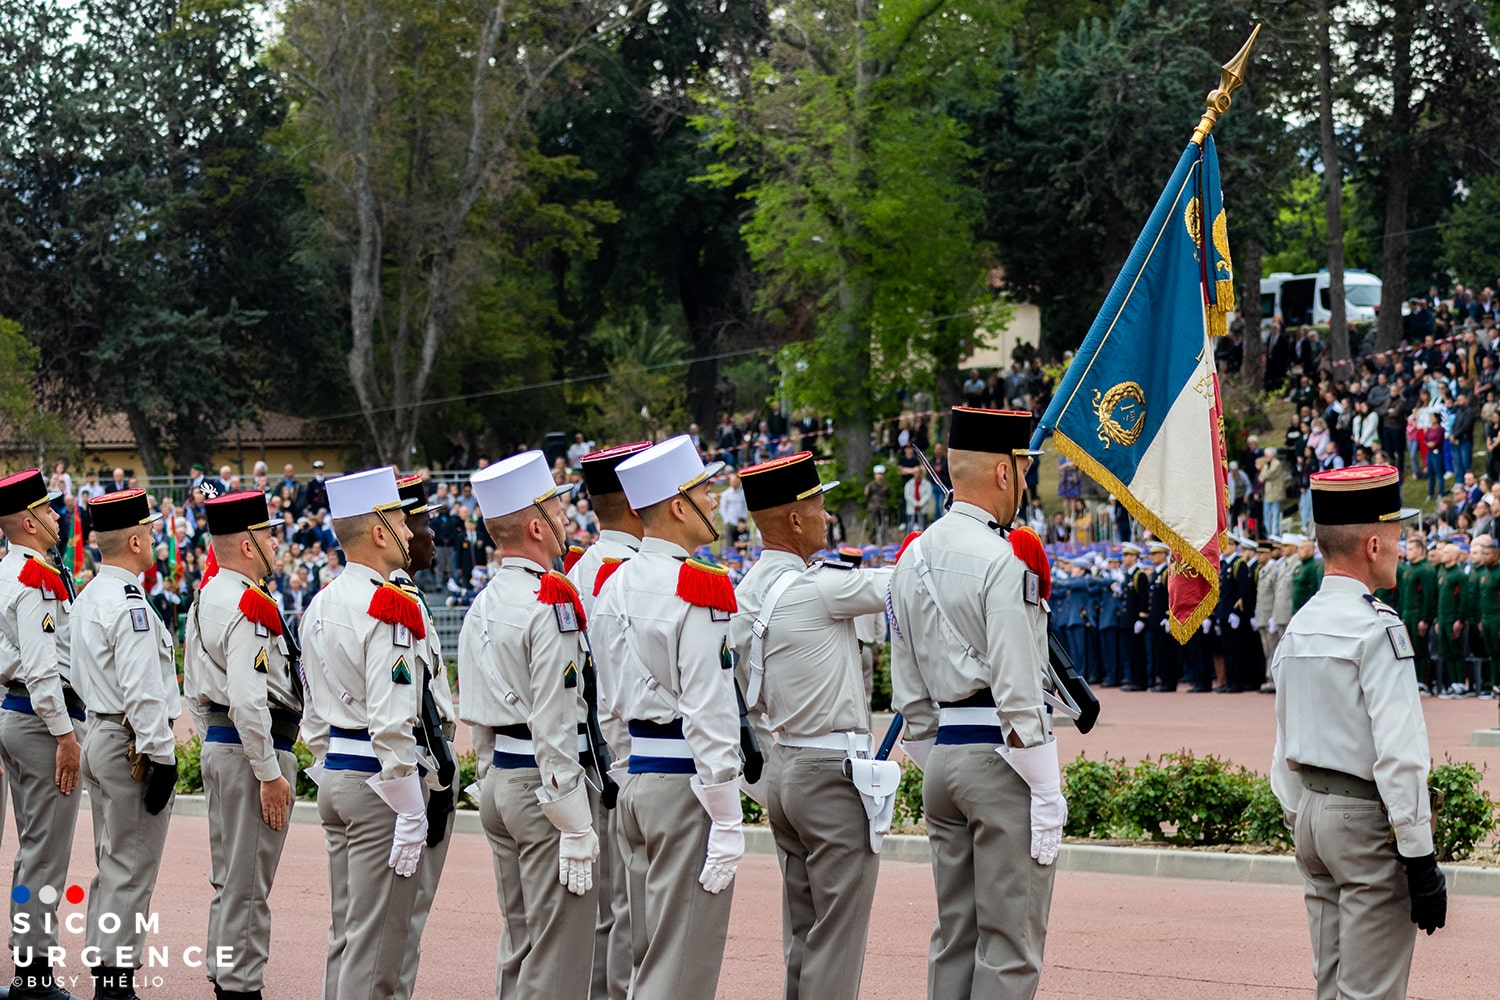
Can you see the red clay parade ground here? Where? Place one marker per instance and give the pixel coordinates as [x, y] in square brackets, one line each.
[1111, 936]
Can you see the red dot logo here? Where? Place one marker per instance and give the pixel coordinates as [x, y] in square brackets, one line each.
[75, 894]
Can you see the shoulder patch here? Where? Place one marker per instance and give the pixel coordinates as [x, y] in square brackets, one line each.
[48, 625]
[1400, 642]
[138, 620]
[1381, 606]
[262, 662]
[400, 671]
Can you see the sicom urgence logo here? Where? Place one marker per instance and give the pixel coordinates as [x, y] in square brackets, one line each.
[152, 957]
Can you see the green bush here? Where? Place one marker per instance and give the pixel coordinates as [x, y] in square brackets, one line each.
[1147, 800]
[306, 787]
[190, 766]
[908, 808]
[468, 770]
[1091, 787]
[1265, 821]
[1465, 812]
[880, 680]
[1203, 800]
[752, 810]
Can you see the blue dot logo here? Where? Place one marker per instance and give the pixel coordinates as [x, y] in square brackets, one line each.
[21, 895]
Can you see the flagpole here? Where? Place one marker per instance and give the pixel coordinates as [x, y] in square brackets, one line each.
[1231, 78]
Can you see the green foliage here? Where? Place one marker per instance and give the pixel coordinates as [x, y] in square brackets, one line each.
[306, 787]
[1265, 821]
[753, 812]
[1471, 235]
[1091, 787]
[24, 427]
[1465, 812]
[468, 770]
[643, 397]
[880, 680]
[908, 808]
[190, 766]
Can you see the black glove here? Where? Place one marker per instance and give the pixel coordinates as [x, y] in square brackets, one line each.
[161, 782]
[439, 806]
[1429, 892]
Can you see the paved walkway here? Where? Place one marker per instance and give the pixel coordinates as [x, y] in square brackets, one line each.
[1112, 937]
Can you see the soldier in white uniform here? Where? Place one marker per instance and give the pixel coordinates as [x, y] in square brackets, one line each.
[1267, 556]
[41, 722]
[360, 641]
[124, 669]
[661, 624]
[1351, 758]
[869, 629]
[520, 662]
[799, 659]
[619, 538]
[968, 656]
[241, 687]
[435, 734]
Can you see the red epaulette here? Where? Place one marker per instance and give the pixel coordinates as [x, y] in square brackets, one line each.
[905, 542]
[558, 589]
[1027, 546]
[394, 606]
[575, 553]
[606, 570]
[41, 575]
[707, 585]
[260, 607]
[211, 566]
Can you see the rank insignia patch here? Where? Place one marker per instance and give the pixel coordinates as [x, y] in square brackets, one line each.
[400, 672]
[138, 620]
[261, 663]
[570, 675]
[1401, 642]
[131, 590]
[48, 625]
[726, 655]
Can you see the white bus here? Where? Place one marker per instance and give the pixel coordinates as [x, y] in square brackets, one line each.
[1303, 298]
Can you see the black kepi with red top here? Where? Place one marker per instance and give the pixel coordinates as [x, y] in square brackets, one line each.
[782, 481]
[994, 432]
[21, 491]
[233, 513]
[599, 467]
[122, 510]
[1360, 494]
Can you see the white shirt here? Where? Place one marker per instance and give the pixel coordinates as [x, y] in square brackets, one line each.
[34, 634]
[1346, 700]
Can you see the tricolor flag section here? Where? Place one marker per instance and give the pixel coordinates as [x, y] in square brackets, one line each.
[1138, 409]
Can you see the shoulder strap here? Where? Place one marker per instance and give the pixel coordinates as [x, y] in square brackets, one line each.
[1064, 704]
[758, 631]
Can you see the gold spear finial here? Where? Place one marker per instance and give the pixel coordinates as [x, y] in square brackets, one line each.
[1231, 78]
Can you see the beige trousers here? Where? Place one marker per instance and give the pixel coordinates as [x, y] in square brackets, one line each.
[993, 899]
[371, 904]
[547, 947]
[678, 930]
[1358, 905]
[128, 842]
[612, 963]
[243, 855]
[828, 873]
[45, 819]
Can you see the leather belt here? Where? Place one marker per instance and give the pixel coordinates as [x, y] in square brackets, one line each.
[1331, 782]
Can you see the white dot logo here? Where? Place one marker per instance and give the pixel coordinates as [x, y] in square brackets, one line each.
[47, 894]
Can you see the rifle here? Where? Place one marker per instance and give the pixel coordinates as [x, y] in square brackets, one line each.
[755, 761]
[609, 790]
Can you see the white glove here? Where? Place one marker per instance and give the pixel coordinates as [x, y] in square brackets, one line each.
[1164, 626]
[578, 844]
[918, 750]
[1038, 767]
[1234, 620]
[1208, 625]
[726, 838]
[1254, 622]
[1272, 627]
[404, 795]
[1140, 627]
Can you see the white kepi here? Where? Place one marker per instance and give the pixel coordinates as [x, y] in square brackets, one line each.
[515, 484]
[372, 491]
[663, 471]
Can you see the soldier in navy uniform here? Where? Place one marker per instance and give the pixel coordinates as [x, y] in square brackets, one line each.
[1113, 655]
[1164, 658]
[1139, 624]
[1071, 608]
[1252, 662]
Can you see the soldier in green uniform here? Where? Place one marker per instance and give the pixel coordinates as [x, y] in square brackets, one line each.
[1417, 595]
[1452, 586]
[1484, 612]
[1307, 576]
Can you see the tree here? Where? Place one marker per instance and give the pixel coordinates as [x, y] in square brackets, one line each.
[149, 234]
[418, 122]
[862, 221]
[24, 428]
[1470, 238]
[1333, 176]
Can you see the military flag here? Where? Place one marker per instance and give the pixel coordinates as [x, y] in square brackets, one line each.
[1139, 408]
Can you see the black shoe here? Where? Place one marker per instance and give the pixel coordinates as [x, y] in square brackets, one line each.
[1162, 688]
[35, 982]
[1109, 684]
[111, 983]
[1200, 689]
[1131, 687]
[1226, 689]
[223, 994]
